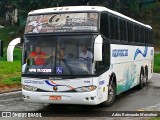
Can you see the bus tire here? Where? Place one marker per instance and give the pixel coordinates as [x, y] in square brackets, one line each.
[111, 94]
[146, 73]
[145, 77]
[142, 79]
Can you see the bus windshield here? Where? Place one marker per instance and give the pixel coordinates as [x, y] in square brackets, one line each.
[58, 55]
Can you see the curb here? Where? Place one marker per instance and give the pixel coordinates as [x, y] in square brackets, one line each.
[14, 90]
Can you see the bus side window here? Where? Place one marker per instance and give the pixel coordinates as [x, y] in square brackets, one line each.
[142, 35]
[136, 34]
[104, 25]
[114, 28]
[104, 64]
[111, 27]
[146, 36]
[130, 32]
[123, 30]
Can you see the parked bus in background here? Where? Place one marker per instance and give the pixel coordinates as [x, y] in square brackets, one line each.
[84, 55]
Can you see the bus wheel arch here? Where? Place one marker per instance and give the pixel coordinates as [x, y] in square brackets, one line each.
[111, 91]
[114, 80]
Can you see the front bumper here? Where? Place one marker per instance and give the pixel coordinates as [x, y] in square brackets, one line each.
[83, 98]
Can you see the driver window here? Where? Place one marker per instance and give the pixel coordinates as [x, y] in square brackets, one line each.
[104, 64]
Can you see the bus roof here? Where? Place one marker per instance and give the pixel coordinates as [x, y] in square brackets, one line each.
[83, 9]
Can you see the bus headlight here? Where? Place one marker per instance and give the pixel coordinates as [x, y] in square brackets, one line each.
[86, 88]
[29, 88]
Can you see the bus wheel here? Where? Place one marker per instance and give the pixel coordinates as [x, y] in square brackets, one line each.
[111, 94]
[142, 80]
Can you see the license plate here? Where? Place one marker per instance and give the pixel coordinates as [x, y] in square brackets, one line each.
[54, 97]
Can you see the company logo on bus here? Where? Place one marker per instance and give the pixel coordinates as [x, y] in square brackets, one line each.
[33, 82]
[138, 51]
[55, 85]
[101, 82]
[119, 53]
[55, 88]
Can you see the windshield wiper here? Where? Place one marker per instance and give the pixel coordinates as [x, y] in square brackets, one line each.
[63, 60]
[67, 65]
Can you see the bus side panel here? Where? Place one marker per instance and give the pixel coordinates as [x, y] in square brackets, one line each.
[102, 86]
[151, 64]
[126, 61]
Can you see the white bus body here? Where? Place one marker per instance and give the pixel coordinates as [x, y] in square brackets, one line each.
[127, 65]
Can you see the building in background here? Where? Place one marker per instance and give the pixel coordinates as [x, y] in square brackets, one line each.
[11, 15]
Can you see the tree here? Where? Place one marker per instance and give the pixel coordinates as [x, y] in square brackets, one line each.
[130, 7]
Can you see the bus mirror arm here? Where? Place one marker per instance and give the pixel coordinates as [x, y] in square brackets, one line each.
[98, 48]
[11, 47]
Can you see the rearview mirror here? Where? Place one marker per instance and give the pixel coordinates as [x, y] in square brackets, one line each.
[1, 48]
[98, 48]
[10, 49]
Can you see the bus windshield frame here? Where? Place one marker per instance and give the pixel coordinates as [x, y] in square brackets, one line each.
[58, 46]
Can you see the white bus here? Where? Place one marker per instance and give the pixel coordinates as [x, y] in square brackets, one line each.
[84, 55]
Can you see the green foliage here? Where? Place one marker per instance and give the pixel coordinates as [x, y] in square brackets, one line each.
[17, 55]
[133, 7]
[12, 80]
[157, 63]
[157, 118]
[25, 6]
[9, 33]
[10, 72]
[151, 16]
